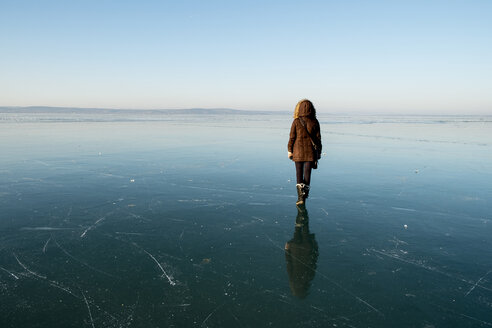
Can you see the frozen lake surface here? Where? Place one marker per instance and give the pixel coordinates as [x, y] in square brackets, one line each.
[184, 221]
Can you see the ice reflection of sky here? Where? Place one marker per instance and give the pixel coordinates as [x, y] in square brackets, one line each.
[184, 223]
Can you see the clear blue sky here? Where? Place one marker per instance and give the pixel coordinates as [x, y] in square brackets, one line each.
[366, 56]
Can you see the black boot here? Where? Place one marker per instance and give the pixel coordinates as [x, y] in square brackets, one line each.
[300, 193]
[306, 191]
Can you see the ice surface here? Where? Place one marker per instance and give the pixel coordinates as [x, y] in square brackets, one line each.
[182, 221]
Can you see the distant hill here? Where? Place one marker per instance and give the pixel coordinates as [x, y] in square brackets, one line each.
[189, 111]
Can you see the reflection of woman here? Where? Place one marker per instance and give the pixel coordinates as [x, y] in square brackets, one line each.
[301, 255]
[304, 146]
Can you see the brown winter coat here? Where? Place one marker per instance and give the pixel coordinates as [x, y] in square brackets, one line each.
[300, 143]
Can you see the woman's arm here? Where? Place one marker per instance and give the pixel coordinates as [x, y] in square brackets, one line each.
[292, 139]
[318, 136]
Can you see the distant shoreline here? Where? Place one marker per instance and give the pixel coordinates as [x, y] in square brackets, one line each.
[82, 110]
[207, 111]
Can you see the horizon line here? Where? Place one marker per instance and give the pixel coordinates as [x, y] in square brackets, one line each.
[280, 111]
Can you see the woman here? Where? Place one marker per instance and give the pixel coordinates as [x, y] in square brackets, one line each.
[304, 146]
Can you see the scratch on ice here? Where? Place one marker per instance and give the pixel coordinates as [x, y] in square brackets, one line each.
[27, 269]
[82, 262]
[46, 245]
[433, 269]
[10, 273]
[169, 278]
[92, 227]
[211, 314]
[476, 284]
[88, 309]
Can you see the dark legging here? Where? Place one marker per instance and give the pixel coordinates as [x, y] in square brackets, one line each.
[304, 169]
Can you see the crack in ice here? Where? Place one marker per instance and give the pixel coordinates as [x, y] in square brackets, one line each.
[476, 284]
